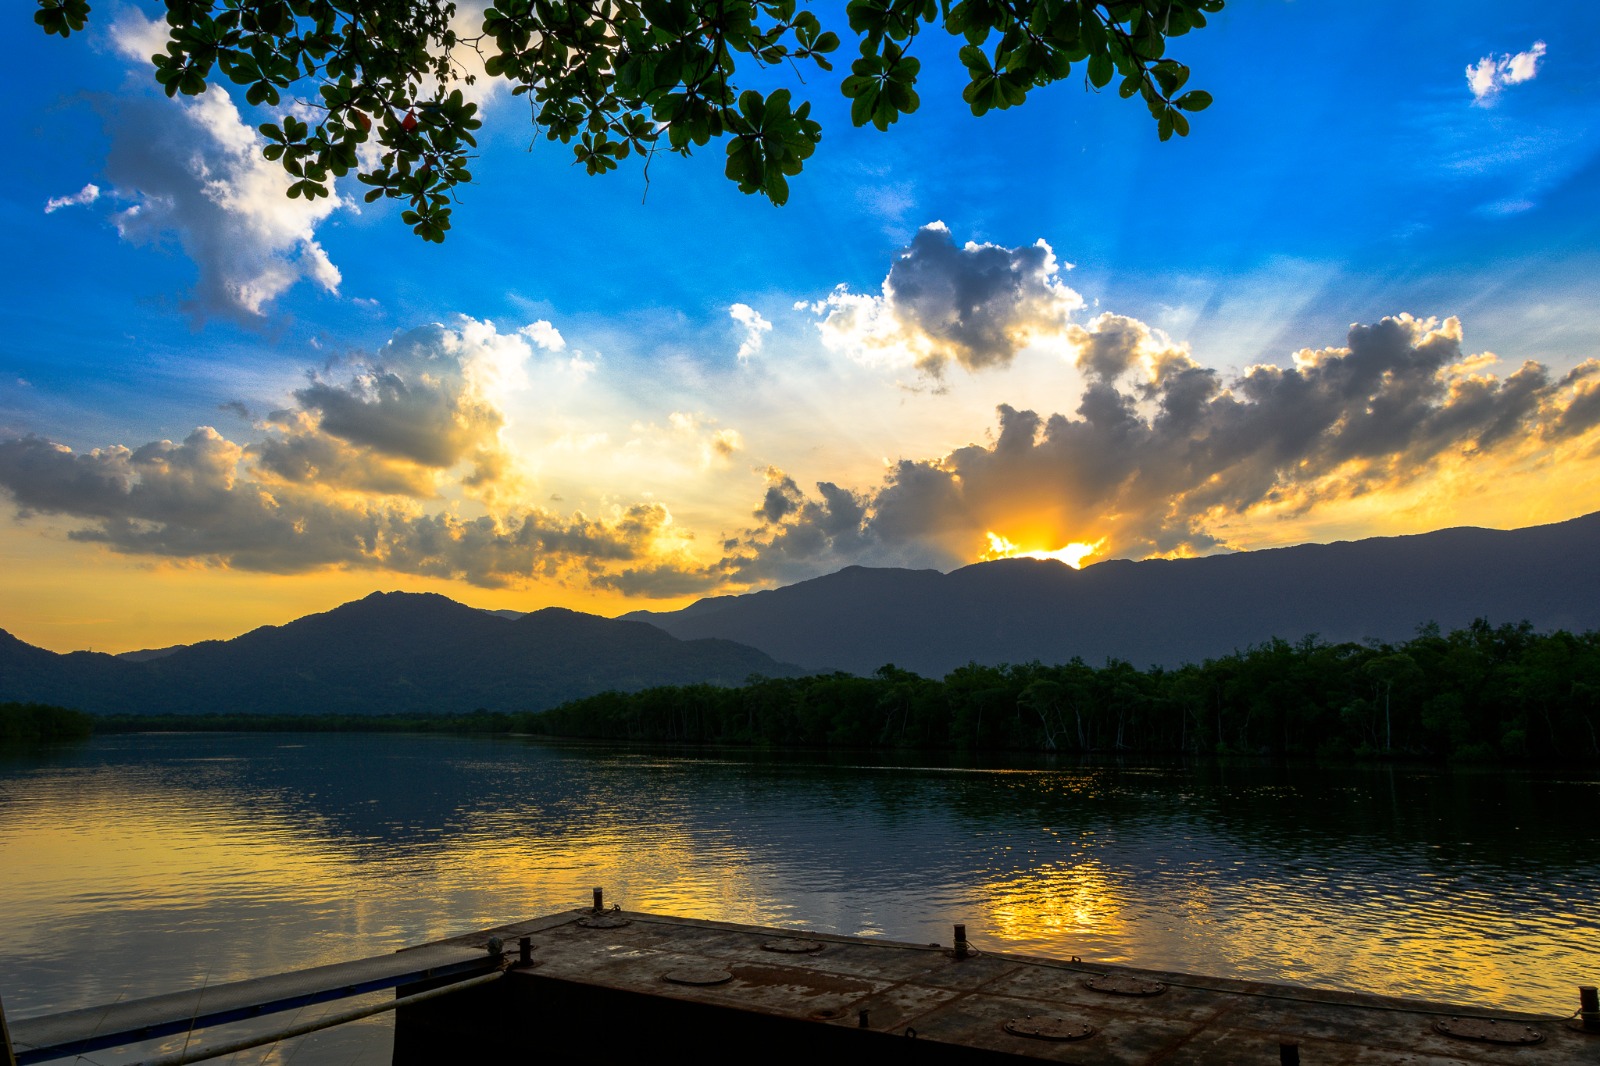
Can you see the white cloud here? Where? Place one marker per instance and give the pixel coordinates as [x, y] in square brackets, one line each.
[1492, 73]
[545, 336]
[195, 172]
[192, 170]
[137, 38]
[86, 195]
[755, 329]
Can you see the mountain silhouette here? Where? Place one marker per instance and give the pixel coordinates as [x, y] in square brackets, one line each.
[1164, 612]
[394, 652]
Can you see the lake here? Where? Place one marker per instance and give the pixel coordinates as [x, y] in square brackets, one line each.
[141, 864]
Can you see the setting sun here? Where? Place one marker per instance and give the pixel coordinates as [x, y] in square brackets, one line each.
[1072, 554]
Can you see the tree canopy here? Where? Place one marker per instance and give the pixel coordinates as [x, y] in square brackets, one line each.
[618, 78]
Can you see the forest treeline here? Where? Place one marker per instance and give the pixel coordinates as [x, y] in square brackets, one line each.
[1479, 693]
[42, 722]
[474, 722]
[1482, 693]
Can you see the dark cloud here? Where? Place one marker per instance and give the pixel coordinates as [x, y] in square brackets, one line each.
[977, 305]
[399, 421]
[196, 500]
[299, 452]
[412, 401]
[782, 498]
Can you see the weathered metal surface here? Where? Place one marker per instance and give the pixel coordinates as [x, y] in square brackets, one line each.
[923, 1006]
[793, 947]
[697, 975]
[1489, 1031]
[80, 1031]
[1121, 984]
[604, 921]
[1050, 1028]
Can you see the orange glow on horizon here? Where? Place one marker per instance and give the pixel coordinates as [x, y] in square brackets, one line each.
[1072, 554]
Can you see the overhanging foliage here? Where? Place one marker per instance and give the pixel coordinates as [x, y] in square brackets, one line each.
[617, 78]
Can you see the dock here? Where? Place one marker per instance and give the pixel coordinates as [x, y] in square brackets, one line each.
[600, 985]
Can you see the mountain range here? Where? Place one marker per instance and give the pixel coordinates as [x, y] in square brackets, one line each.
[410, 653]
[390, 653]
[1164, 612]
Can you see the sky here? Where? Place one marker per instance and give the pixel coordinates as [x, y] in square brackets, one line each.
[1360, 299]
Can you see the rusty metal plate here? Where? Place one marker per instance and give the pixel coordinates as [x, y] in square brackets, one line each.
[1123, 985]
[1049, 1028]
[605, 921]
[697, 975]
[792, 947]
[1489, 1031]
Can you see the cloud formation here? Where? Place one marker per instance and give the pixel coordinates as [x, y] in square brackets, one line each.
[754, 327]
[1493, 73]
[422, 456]
[191, 171]
[976, 305]
[365, 471]
[1160, 451]
[86, 195]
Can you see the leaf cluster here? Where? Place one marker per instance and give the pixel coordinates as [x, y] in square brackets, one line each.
[379, 82]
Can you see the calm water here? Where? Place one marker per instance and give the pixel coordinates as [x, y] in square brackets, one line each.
[134, 865]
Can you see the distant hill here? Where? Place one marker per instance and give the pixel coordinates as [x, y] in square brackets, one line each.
[146, 654]
[392, 652]
[1164, 612]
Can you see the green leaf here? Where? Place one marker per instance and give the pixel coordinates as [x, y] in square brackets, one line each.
[863, 106]
[777, 187]
[1100, 70]
[1194, 100]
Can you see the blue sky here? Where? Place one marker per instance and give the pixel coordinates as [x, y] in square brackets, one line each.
[625, 453]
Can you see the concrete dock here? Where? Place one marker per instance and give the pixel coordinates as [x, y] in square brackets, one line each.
[619, 986]
[603, 985]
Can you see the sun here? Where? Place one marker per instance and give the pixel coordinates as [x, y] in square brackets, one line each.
[1072, 554]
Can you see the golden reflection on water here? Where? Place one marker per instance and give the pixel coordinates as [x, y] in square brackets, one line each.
[1069, 902]
[146, 851]
[195, 873]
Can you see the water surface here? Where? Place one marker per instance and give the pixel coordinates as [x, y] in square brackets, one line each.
[141, 864]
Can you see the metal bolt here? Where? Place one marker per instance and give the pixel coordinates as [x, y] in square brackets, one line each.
[1589, 1007]
[525, 951]
[861, 1021]
[1289, 1054]
[599, 899]
[962, 951]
